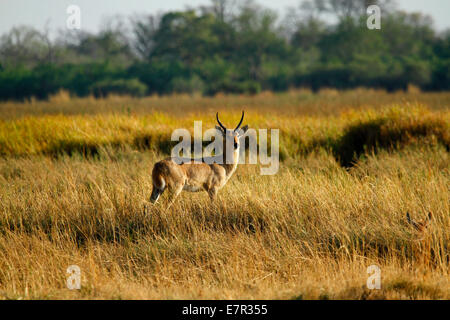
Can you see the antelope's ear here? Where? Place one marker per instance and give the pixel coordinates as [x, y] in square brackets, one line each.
[408, 217]
[243, 130]
[220, 130]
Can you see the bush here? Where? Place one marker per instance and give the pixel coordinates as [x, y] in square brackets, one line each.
[243, 87]
[132, 87]
[188, 85]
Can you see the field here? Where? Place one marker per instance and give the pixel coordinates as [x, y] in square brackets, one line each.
[75, 177]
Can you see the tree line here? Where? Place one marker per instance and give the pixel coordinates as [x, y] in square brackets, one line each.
[230, 46]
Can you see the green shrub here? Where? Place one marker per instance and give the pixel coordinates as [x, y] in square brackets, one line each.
[236, 87]
[132, 87]
[187, 85]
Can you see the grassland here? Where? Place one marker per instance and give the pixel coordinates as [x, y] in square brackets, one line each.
[75, 174]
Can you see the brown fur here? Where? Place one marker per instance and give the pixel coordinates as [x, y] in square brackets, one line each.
[421, 245]
[196, 174]
[420, 226]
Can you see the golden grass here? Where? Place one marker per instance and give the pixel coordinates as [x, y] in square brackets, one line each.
[349, 133]
[308, 232]
[294, 103]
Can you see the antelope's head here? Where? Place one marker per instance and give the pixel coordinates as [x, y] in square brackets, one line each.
[231, 137]
[420, 226]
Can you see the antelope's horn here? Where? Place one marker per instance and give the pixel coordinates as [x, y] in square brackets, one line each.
[240, 122]
[220, 123]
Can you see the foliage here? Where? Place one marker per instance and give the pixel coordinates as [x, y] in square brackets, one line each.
[236, 49]
[131, 87]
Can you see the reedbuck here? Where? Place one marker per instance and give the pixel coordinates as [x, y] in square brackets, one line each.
[421, 246]
[209, 174]
[421, 226]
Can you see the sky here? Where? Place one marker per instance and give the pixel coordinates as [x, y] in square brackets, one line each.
[52, 13]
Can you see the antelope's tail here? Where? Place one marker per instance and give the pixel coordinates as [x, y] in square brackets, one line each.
[159, 185]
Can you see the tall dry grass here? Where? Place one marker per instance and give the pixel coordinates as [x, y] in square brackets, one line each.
[293, 103]
[308, 232]
[352, 132]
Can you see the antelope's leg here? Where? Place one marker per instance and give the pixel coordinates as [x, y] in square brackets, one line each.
[212, 192]
[174, 193]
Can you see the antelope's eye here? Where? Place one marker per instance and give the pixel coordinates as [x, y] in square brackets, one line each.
[236, 145]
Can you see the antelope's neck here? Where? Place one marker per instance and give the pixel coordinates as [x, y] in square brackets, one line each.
[231, 167]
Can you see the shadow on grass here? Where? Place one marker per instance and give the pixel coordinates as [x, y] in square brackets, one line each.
[384, 134]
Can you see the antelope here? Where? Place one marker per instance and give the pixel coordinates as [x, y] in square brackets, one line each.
[420, 226]
[199, 174]
[422, 245]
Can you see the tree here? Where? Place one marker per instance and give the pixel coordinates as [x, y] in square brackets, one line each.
[25, 46]
[144, 30]
[230, 46]
[110, 44]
